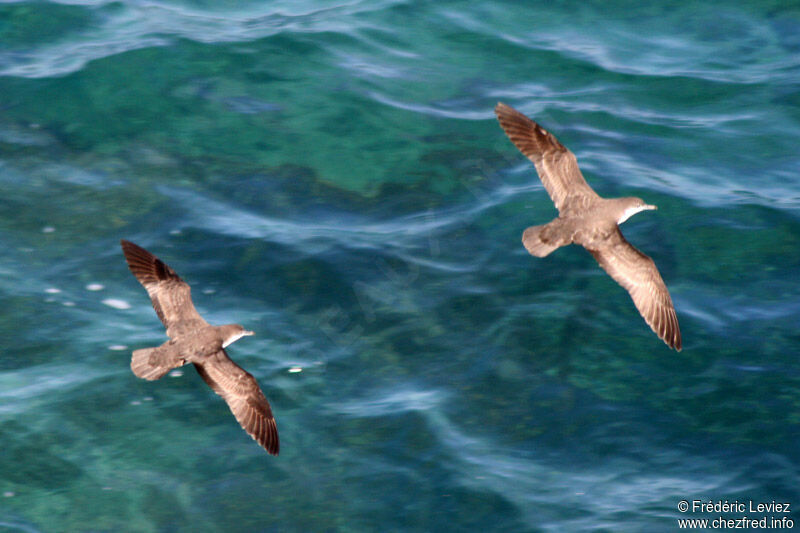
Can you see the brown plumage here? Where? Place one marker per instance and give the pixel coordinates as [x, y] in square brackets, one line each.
[193, 340]
[593, 222]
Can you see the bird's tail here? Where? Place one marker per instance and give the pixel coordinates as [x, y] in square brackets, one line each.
[537, 241]
[153, 363]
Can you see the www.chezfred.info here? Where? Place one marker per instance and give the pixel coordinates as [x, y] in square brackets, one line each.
[736, 514]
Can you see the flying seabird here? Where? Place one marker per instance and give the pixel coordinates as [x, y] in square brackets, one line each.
[587, 219]
[193, 340]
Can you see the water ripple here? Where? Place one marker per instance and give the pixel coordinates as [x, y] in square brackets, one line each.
[143, 24]
[392, 403]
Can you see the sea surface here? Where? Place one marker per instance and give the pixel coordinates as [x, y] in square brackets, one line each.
[331, 175]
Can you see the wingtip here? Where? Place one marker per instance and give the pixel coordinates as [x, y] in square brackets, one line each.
[133, 252]
[502, 109]
[129, 246]
[675, 342]
[271, 443]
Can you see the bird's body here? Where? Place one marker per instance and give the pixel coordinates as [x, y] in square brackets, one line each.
[193, 340]
[192, 346]
[591, 221]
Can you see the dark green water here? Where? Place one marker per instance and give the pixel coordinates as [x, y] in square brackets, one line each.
[331, 176]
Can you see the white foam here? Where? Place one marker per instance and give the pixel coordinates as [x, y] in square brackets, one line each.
[117, 304]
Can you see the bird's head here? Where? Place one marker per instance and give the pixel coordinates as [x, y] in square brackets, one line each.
[630, 206]
[232, 333]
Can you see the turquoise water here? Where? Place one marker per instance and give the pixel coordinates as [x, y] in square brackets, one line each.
[331, 176]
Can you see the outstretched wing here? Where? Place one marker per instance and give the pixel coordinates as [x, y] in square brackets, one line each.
[557, 166]
[638, 274]
[171, 296]
[243, 395]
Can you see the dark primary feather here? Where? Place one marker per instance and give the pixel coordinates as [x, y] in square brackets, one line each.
[557, 166]
[171, 296]
[638, 274]
[244, 397]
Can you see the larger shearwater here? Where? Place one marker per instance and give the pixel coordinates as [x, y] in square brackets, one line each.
[193, 340]
[593, 222]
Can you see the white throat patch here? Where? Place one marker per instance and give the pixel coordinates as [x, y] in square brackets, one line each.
[235, 338]
[629, 212]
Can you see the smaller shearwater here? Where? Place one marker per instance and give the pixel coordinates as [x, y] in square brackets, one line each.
[593, 222]
[193, 340]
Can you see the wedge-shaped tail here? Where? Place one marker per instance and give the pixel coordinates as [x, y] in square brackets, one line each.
[153, 363]
[532, 240]
[541, 240]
